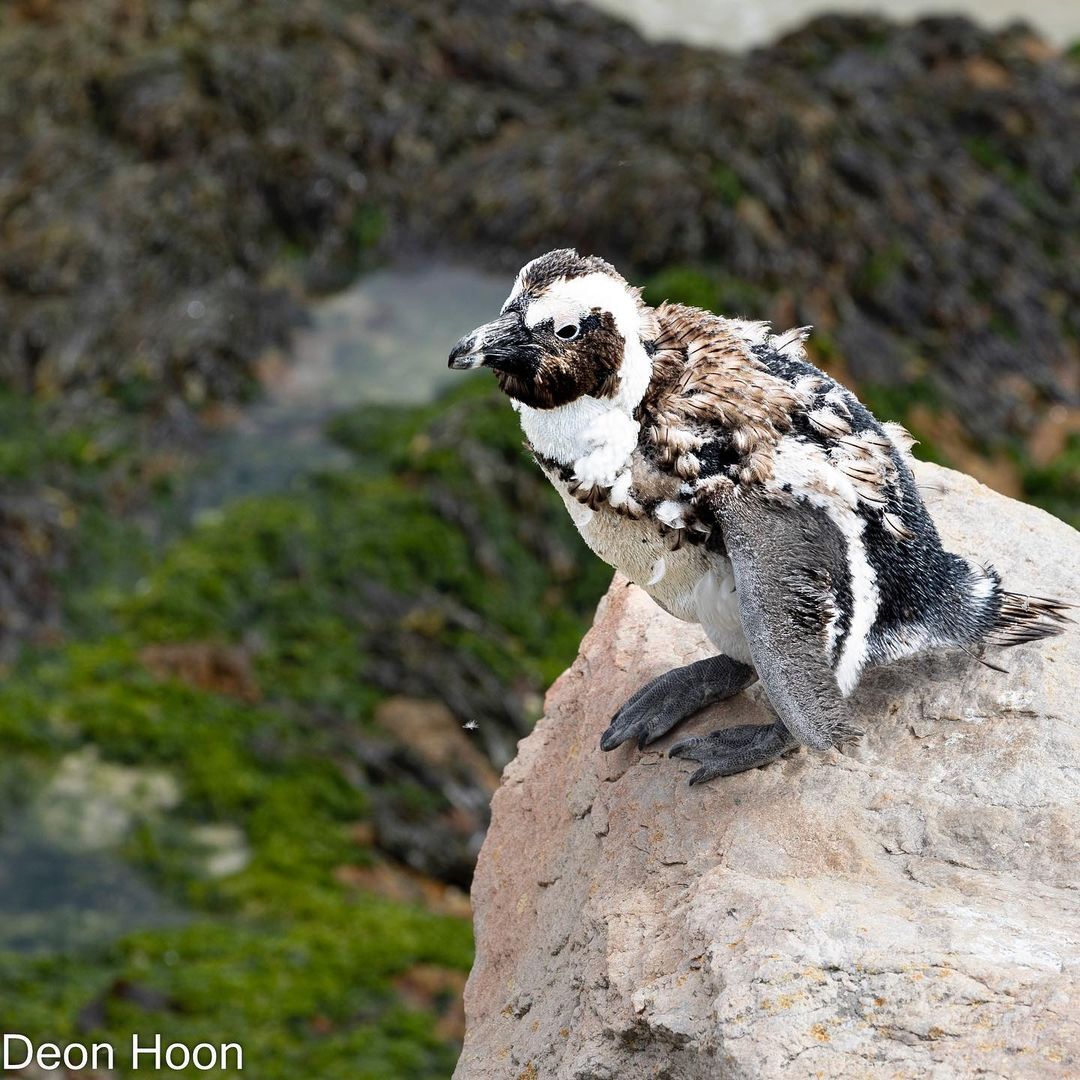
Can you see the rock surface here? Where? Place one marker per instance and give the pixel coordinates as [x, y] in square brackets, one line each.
[906, 908]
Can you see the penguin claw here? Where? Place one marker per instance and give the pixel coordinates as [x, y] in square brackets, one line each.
[706, 772]
[643, 726]
[683, 749]
[644, 718]
[734, 750]
[669, 699]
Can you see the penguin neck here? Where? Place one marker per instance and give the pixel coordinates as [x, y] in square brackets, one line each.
[587, 425]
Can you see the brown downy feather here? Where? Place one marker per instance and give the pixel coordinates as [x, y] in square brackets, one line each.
[706, 376]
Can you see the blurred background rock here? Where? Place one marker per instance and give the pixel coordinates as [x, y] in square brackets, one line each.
[257, 570]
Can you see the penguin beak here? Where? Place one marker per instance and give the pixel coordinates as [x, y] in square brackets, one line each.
[491, 345]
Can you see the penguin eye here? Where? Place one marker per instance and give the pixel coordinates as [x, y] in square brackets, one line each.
[568, 331]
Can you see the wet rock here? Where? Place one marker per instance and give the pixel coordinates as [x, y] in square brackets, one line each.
[32, 549]
[198, 159]
[431, 730]
[403, 634]
[430, 786]
[906, 907]
[432, 822]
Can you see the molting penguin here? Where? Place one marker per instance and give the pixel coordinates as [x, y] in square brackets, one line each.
[744, 490]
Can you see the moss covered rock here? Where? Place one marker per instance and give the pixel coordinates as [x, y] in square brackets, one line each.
[278, 823]
[170, 169]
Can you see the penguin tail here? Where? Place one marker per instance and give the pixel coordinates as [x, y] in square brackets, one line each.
[1024, 618]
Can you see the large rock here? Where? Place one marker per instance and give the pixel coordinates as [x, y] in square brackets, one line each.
[905, 908]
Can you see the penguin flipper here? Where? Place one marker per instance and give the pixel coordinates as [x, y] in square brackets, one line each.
[784, 560]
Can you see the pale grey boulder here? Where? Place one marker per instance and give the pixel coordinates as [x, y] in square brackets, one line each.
[906, 908]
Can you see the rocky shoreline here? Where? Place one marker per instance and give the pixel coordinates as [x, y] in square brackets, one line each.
[173, 174]
[179, 182]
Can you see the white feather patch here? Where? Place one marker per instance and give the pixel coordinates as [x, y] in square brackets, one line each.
[717, 605]
[811, 474]
[900, 437]
[568, 299]
[828, 423]
[837, 397]
[620, 489]
[983, 586]
[753, 333]
[568, 432]
[832, 630]
[865, 599]
[790, 343]
[595, 436]
[807, 385]
[671, 514]
[894, 525]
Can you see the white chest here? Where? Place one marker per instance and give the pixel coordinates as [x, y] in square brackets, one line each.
[691, 583]
[563, 433]
[595, 437]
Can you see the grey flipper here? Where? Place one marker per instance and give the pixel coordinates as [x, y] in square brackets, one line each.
[672, 697]
[787, 562]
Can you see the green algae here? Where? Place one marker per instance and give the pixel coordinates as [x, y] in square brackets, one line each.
[726, 183]
[278, 953]
[883, 265]
[1054, 486]
[709, 288]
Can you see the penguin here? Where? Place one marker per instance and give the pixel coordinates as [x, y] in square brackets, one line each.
[744, 490]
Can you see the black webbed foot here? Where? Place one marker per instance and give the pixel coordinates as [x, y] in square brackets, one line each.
[668, 700]
[734, 750]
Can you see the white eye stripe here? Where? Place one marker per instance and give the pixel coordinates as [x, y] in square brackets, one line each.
[570, 300]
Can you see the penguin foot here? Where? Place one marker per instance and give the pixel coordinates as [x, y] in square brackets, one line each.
[734, 750]
[668, 700]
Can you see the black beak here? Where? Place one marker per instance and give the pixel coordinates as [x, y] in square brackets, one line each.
[491, 343]
[463, 355]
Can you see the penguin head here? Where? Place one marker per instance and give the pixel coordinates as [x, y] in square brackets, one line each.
[570, 327]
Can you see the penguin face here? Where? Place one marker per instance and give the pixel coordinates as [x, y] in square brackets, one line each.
[562, 332]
